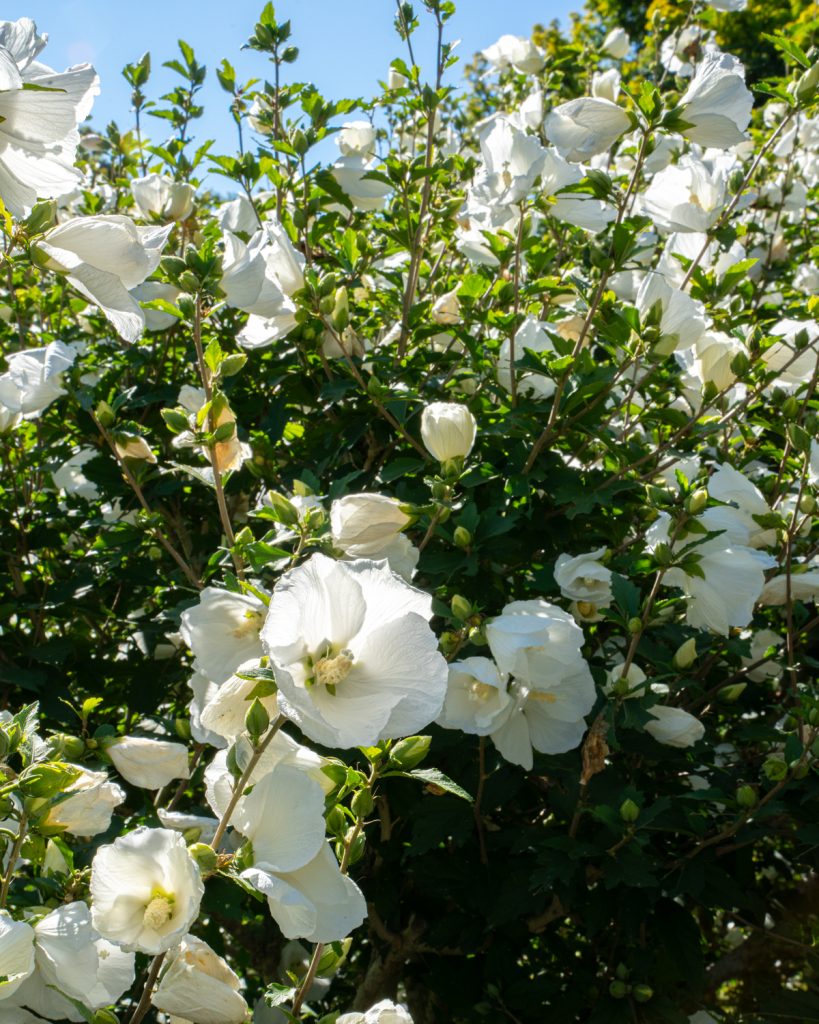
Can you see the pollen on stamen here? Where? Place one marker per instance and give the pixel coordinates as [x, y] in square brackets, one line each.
[331, 671]
[158, 912]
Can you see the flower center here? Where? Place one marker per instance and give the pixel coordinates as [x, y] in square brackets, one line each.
[481, 691]
[330, 672]
[252, 624]
[544, 698]
[158, 912]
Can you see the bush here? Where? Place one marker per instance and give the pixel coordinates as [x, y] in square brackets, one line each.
[411, 561]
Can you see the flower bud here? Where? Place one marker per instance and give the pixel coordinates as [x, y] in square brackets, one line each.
[686, 654]
[462, 538]
[105, 414]
[448, 430]
[619, 989]
[728, 694]
[105, 1017]
[132, 446]
[336, 821]
[799, 768]
[204, 855]
[746, 796]
[807, 504]
[256, 720]
[635, 625]
[807, 85]
[629, 811]
[642, 993]
[340, 315]
[410, 752]
[355, 845]
[774, 769]
[362, 803]
[461, 608]
[696, 501]
[182, 728]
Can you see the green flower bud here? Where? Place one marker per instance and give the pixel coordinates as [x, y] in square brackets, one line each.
[629, 811]
[686, 654]
[362, 803]
[285, 511]
[340, 315]
[355, 846]
[696, 501]
[182, 728]
[728, 694]
[205, 856]
[807, 85]
[105, 414]
[807, 504]
[69, 747]
[635, 625]
[462, 538]
[774, 769]
[746, 796]
[336, 821]
[619, 989]
[256, 720]
[105, 1017]
[642, 993]
[410, 752]
[799, 768]
[461, 608]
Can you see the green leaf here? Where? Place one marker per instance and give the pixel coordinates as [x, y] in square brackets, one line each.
[434, 777]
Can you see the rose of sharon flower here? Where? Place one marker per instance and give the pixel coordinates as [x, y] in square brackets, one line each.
[315, 902]
[223, 632]
[38, 136]
[616, 44]
[199, 986]
[674, 727]
[539, 644]
[477, 701]
[88, 805]
[157, 195]
[716, 106]
[146, 762]
[584, 578]
[283, 817]
[733, 572]
[225, 710]
[448, 430]
[145, 889]
[37, 373]
[517, 51]
[283, 750]
[385, 1012]
[103, 257]
[584, 127]
[363, 524]
[16, 954]
[354, 657]
[73, 962]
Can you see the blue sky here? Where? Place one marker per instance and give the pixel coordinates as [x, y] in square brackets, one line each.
[345, 45]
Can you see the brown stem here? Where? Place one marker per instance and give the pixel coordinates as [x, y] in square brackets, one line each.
[145, 1000]
[239, 788]
[15, 853]
[156, 533]
[224, 514]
